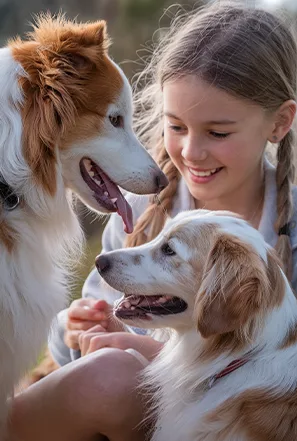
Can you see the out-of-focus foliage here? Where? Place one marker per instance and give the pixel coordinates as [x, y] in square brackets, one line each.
[131, 23]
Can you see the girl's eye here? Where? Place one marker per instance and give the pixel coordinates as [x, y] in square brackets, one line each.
[219, 135]
[167, 250]
[175, 128]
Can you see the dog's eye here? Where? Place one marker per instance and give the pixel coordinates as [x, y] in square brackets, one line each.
[166, 249]
[116, 120]
[11, 202]
[9, 198]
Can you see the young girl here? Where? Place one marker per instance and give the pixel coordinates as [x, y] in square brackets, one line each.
[219, 87]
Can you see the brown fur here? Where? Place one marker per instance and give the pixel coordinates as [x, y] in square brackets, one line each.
[66, 93]
[291, 337]
[7, 236]
[261, 415]
[236, 292]
[184, 234]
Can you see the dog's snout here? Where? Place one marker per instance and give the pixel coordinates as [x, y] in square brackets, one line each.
[103, 263]
[161, 181]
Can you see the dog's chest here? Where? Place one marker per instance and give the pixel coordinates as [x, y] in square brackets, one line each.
[188, 422]
[180, 413]
[183, 410]
[28, 309]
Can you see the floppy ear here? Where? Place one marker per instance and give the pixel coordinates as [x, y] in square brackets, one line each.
[58, 61]
[236, 286]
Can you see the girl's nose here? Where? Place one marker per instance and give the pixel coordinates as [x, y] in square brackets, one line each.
[193, 150]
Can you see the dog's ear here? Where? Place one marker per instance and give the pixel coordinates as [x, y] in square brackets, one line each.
[236, 286]
[58, 60]
[58, 43]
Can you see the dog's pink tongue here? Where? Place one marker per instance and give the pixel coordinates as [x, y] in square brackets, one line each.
[123, 208]
[125, 211]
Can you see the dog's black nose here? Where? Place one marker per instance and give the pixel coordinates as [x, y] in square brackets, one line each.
[103, 263]
[161, 181]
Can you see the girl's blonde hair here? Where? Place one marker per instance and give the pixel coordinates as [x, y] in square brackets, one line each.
[249, 53]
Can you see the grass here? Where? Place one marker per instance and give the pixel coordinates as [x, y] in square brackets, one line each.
[93, 248]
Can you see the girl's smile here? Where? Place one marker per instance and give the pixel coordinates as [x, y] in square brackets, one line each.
[203, 176]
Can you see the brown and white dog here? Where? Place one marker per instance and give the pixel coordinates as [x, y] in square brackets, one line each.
[65, 126]
[228, 371]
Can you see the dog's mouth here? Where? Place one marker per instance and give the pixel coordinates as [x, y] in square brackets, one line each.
[143, 307]
[106, 192]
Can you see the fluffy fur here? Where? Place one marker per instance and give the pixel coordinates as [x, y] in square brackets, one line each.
[231, 300]
[62, 100]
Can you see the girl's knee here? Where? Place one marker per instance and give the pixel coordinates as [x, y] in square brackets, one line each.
[103, 386]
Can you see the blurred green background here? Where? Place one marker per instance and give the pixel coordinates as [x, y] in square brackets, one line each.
[131, 24]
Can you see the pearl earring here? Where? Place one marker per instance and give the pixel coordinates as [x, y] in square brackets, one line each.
[274, 138]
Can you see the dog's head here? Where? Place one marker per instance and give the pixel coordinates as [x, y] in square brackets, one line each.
[207, 270]
[66, 119]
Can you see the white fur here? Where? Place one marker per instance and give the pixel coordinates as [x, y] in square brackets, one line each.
[34, 279]
[179, 373]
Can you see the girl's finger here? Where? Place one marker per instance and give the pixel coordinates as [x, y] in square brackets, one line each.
[86, 313]
[85, 340]
[71, 339]
[98, 342]
[97, 328]
[102, 305]
[85, 325]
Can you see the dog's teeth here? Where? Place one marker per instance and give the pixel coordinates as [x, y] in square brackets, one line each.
[127, 304]
[113, 200]
[91, 173]
[135, 301]
[106, 193]
[88, 164]
[133, 308]
[162, 299]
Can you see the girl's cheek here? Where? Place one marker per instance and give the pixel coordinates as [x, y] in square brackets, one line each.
[172, 147]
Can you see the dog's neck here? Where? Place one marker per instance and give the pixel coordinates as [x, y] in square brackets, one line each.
[204, 358]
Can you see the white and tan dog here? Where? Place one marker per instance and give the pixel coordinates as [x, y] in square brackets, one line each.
[65, 126]
[229, 369]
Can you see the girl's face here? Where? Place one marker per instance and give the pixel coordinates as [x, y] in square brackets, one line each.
[215, 140]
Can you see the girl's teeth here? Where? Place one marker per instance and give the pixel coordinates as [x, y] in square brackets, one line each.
[203, 173]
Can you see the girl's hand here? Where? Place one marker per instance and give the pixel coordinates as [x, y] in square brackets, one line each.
[83, 314]
[97, 338]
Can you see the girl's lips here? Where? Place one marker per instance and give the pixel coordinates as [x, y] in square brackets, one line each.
[203, 173]
[203, 176]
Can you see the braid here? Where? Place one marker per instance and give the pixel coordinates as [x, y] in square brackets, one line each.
[285, 173]
[152, 220]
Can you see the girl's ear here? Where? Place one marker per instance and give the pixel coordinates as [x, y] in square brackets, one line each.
[283, 120]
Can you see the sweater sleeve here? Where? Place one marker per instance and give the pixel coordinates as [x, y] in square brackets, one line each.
[293, 239]
[294, 272]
